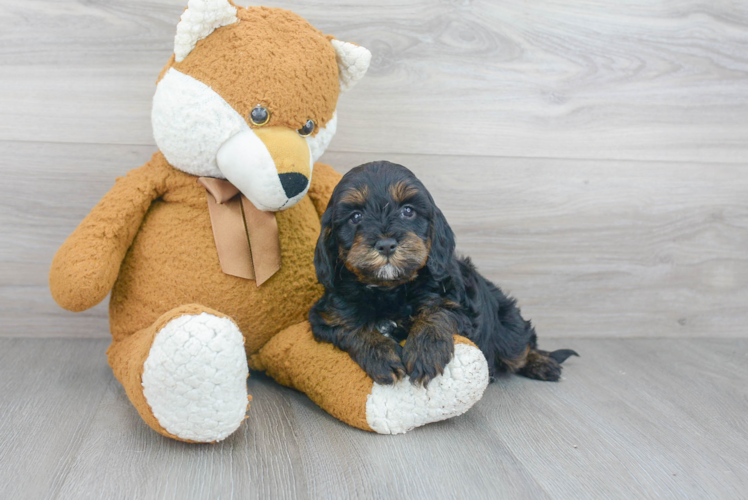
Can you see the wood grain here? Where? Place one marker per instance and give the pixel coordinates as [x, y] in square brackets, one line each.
[662, 80]
[49, 389]
[591, 158]
[49, 196]
[591, 249]
[633, 418]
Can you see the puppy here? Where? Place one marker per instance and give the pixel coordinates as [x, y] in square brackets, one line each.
[385, 256]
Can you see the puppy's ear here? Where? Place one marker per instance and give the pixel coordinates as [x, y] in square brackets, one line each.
[325, 255]
[442, 246]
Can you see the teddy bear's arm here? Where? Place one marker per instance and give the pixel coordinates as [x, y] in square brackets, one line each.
[338, 384]
[324, 180]
[85, 267]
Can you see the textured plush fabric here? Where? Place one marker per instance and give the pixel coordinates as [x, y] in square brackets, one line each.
[321, 371]
[86, 266]
[173, 260]
[271, 57]
[195, 377]
[191, 122]
[398, 408]
[161, 215]
[341, 387]
[353, 62]
[198, 21]
[128, 356]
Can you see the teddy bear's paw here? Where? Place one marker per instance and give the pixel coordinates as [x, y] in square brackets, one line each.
[195, 377]
[398, 408]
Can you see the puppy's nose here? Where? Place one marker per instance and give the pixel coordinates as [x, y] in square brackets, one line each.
[293, 183]
[386, 246]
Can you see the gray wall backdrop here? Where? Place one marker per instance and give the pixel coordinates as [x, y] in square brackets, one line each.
[591, 156]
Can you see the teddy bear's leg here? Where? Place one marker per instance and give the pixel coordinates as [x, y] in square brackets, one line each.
[186, 374]
[337, 384]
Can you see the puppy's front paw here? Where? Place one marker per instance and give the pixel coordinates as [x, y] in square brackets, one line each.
[425, 357]
[383, 364]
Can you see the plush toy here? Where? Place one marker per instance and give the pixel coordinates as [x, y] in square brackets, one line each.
[208, 248]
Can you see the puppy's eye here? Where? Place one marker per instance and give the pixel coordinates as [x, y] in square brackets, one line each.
[408, 212]
[356, 218]
[307, 129]
[259, 116]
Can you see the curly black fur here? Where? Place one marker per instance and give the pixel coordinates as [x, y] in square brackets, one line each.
[425, 295]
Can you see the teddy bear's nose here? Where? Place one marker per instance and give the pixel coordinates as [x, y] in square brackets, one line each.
[293, 183]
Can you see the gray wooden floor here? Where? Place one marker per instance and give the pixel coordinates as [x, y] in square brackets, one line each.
[633, 418]
[592, 157]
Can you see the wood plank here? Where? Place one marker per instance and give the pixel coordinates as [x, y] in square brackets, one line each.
[288, 448]
[49, 389]
[635, 249]
[632, 419]
[633, 80]
[260, 461]
[50, 195]
[640, 418]
[436, 461]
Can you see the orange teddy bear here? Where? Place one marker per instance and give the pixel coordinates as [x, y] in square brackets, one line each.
[208, 248]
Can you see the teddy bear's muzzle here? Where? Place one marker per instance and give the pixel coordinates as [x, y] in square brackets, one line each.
[293, 183]
[271, 166]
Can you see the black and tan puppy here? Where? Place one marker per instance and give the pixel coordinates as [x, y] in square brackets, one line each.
[386, 258]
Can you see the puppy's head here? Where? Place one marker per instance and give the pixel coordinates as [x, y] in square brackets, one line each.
[383, 226]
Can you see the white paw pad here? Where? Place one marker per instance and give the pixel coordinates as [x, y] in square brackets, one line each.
[195, 377]
[398, 408]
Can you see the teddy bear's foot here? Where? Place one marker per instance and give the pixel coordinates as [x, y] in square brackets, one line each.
[400, 407]
[337, 384]
[195, 377]
[191, 382]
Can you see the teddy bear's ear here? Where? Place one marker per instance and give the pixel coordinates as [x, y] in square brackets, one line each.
[198, 21]
[353, 61]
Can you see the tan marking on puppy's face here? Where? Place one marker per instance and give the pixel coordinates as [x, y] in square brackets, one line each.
[355, 196]
[411, 254]
[371, 267]
[362, 259]
[402, 192]
[271, 57]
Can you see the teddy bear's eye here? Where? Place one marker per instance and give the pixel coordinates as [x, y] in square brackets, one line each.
[259, 116]
[307, 129]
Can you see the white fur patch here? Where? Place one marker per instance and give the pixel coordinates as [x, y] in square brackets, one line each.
[199, 21]
[246, 162]
[388, 272]
[398, 408]
[195, 377]
[353, 61]
[191, 122]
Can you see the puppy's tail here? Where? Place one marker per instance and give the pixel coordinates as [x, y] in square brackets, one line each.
[562, 355]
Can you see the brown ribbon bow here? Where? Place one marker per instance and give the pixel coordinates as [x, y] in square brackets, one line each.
[246, 237]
